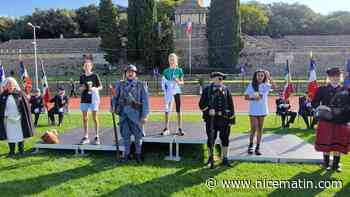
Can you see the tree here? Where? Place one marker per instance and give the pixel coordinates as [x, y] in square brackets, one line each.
[53, 23]
[224, 39]
[87, 18]
[254, 19]
[165, 42]
[111, 42]
[142, 17]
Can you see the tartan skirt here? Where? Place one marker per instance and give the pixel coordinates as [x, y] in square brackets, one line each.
[332, 137]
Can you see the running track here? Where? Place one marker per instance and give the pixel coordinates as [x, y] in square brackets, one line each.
[189, 104]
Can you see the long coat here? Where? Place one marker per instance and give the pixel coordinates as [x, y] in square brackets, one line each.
[24, 110]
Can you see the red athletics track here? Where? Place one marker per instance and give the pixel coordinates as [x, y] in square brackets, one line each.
[189, 103]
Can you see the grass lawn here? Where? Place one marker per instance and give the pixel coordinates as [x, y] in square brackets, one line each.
[55, 173]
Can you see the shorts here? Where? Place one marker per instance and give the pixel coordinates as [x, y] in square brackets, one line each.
[88, 106]
[177, 99]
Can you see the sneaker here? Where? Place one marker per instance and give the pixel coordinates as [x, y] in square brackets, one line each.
[84, 140]
[250, 150]
[96, 141]
[180, 132]
[165, 132]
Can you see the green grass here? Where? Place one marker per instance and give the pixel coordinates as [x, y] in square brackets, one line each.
[55, 173]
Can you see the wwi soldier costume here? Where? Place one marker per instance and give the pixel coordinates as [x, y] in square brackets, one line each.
[218, 113]
[132, 105]
[15, 117]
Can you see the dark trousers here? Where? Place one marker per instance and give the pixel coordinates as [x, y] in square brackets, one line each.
[52, 113]
[292, 115]
[36, 118]
[224, 133]
[309, 124]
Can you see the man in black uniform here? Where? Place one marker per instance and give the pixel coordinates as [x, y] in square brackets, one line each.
[283, 110]
[36, 105]
[60, 102]
[306, 110]
[218, 113]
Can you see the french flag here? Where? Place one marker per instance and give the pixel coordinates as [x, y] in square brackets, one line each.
[45, 87]
[288, 88]
[2, 74]
[347, 77]
[25, 78]
[312, 86]
[189, 28]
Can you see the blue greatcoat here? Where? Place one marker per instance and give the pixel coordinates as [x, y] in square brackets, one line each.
[128, 92]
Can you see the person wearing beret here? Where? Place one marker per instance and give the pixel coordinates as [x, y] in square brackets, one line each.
[36, 105]
[218, 114]
[333, 132]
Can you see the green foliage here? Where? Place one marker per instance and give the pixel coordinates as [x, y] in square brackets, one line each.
[142, 18]
[224, 34]
[87, 18]
[108, 30]
[254, 19]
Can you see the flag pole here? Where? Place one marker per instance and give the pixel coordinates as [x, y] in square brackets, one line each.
[190, 52]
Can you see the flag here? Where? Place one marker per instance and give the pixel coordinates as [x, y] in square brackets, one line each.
[312, 86]
[347, 77]
[242, 69]
[2, 74]
[24, 76]
[189, 28]
[288, 87]
[45, 87]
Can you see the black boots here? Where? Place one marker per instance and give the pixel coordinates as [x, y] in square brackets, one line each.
[257, 150]
[12, 147]
[250, 149]
[336, 160]
[335, 165]
[225, 162]
[138, 158]
[326, 161]
[21, 148]
[211, 162]
[127, 158]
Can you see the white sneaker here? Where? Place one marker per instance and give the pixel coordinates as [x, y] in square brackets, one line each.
[165, 132]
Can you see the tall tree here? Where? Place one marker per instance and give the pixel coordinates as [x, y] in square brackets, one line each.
[87, 18]
[224, 30]
[142, 18]
[111, 42]
[165, 41]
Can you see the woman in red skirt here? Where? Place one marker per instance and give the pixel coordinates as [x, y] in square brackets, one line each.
[333, 135]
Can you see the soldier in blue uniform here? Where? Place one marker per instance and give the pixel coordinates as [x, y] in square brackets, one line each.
[219, 114]
[131, 103]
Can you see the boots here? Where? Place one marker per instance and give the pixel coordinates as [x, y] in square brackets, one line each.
[21, 148]
[211, 162]
[336, 160]
[257, 150]
[250, 149]
[326, 161]
[126, 158]
[138, 158]
[12, 147]
[224, 157]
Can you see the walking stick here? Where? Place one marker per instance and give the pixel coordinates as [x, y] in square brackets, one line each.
[212, 140]
[116, 137]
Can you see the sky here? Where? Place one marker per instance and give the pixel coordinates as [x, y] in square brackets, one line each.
[16, 8]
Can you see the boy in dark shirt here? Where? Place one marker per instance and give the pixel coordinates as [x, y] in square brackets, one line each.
[60, 103]
[36, 105]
